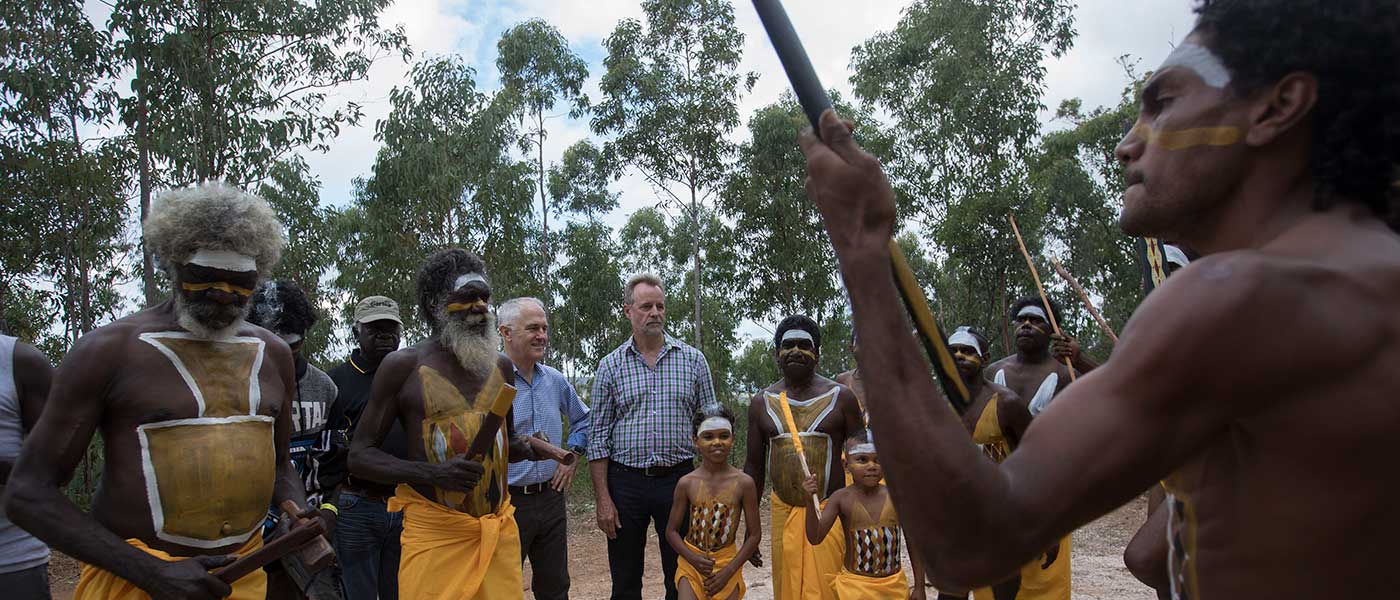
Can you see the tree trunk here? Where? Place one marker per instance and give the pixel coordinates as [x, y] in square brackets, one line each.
[695, 254]
[1004, 307]
[544, 203]
[143, 164]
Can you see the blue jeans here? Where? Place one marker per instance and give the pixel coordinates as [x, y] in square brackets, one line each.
[367, 547]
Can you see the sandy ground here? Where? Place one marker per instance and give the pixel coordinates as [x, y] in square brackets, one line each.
[1099, 573]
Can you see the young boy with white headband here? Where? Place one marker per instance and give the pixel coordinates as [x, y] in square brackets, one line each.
[707, 506]
[872, 567]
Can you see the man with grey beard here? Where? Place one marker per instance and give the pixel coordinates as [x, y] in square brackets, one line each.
[194, 406]
[459, 532]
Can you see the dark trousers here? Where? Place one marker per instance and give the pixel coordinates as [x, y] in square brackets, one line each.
[367, 547]
[640, 499]
[29, 584]
[544, 526]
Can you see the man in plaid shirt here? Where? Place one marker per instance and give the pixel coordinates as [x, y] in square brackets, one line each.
[644, 396]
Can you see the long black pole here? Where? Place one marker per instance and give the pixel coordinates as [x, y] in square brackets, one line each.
[812, 96]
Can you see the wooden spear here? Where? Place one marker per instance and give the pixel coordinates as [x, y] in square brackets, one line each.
[1079, 289]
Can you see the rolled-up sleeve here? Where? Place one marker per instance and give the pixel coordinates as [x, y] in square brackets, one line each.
[704, 385]
[579, 418]
[602, 415]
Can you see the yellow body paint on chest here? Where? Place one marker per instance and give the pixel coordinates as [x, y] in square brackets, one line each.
[450, 423]
[217, 285]
[783, 465]
[1189, 138]
[713, 517]
[875, 541]
[209, 479]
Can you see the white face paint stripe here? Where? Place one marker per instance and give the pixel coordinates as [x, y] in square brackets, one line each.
[1200, 60]
[962, 338]
[225, 260]
[1033, 310]
[862, 448]
[715, 424]
[254, 388]
[796, 334]
[1175, 255]
[468, 278]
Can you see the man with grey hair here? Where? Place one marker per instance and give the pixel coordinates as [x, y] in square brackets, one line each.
[645, 394]
[543, 397]
[194, 406]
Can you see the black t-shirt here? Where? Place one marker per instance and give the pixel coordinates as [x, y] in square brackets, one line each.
[353, 384]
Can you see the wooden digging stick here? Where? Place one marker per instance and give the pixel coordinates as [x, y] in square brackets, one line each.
[1079, 289]
[1043, 299]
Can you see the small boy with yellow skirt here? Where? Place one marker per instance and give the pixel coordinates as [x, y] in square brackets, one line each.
[707, 503]
[872, 568]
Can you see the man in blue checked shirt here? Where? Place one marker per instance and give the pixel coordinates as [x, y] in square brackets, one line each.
[537, 488]
[644, 396]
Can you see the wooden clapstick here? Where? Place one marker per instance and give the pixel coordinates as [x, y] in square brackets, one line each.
[544, 449]
[491, 424]
[317, 554]
[797, 445]
[303, 534]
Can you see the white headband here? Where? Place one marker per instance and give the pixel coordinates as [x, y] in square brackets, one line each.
[862, 448]
[796, 334]
[224, 260]
[1033, 310]
[468, 278]
[961, 337]
[1175, 255]
[714, 424]
[1200, 60]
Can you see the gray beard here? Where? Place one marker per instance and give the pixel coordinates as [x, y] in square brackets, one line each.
[191, 317]
[476, 352]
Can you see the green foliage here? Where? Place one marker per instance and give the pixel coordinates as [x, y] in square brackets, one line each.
[962, 80]
[670, 99]
[443, 178]
[579, 183]
[62, 195]
[588, 323]
[295, 194]
[227, 89]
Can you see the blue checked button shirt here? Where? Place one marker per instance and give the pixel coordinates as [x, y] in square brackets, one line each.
[540, 407]
[642, 415]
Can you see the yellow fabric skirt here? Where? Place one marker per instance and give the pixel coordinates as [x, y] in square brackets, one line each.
[852, 586]
[802, 571]
[97, 584]
[1041, 584]
[696, 580]
[448, 555]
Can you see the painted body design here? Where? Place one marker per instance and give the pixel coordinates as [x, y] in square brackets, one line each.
[449, 424]
[209, 479]
[875, 549]
[988, 436]
[1188, 138]
[713, 516]
[1043, 394]
[783, 469]
[1181, 540]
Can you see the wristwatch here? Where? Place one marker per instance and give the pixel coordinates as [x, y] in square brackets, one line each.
[579, 450]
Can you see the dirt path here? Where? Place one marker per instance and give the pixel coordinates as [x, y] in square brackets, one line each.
[1098, 568]
[1099, 573]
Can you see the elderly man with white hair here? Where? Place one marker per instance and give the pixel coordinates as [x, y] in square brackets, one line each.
[194, 407]
[543, 398]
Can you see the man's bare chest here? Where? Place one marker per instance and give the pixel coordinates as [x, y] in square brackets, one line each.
[173, 375]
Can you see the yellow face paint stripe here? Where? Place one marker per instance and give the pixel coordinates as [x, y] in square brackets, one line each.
[460, 306]
[217, 285]
[807, 353]
[1189, 138]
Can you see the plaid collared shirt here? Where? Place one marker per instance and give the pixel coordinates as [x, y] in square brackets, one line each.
[642, 415]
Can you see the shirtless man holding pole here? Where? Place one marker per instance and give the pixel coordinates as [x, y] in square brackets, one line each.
[1268, 142]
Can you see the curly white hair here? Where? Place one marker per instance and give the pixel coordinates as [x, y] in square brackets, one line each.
[214, 216]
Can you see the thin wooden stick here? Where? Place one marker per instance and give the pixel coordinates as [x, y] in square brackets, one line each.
[1040, 288]
[1074, 283]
